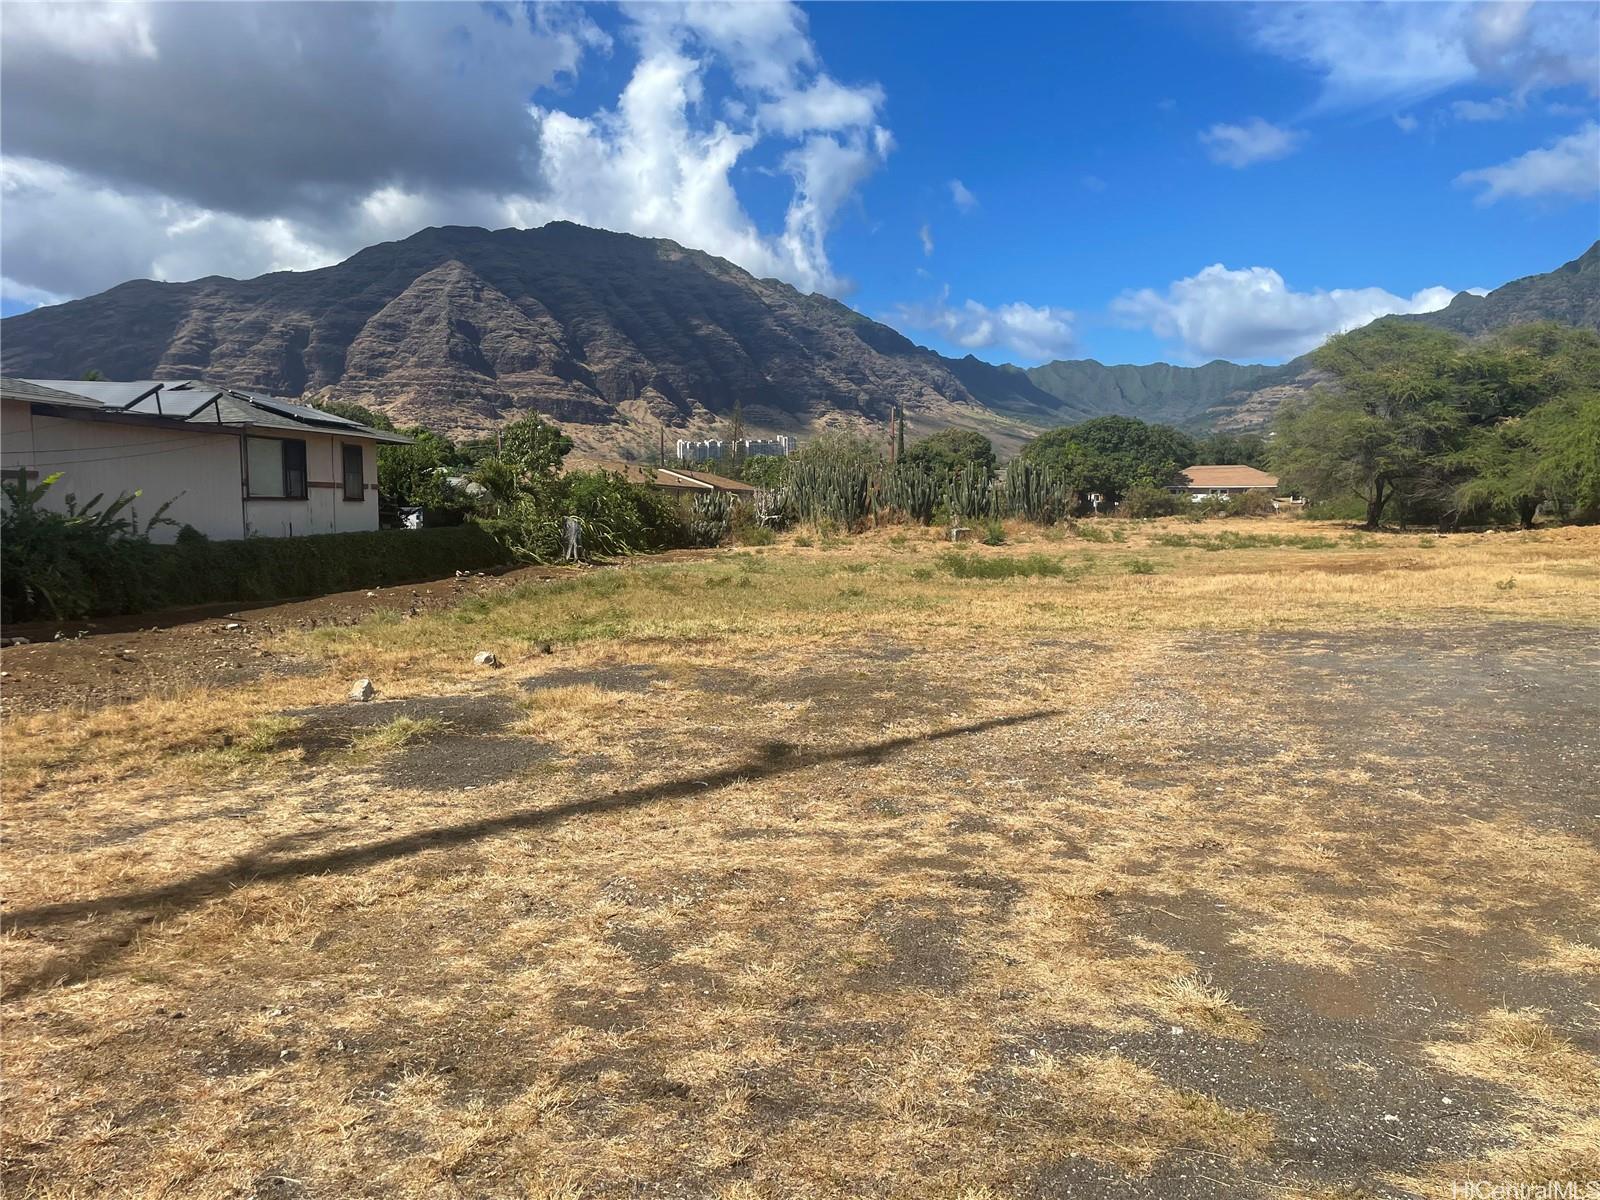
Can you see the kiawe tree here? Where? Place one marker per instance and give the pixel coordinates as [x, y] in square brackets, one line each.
[1379, 430]
[1422, 420]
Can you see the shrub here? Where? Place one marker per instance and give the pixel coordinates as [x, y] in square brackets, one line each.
[1251, 504]
[749, 529]
[58, 564]
[1343, 508]
[620, 517]
[1146, 501]
[129, 574]
[994, 533]
[990, 566]
[1141, 566]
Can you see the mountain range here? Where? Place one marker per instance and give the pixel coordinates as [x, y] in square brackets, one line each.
[623, 340]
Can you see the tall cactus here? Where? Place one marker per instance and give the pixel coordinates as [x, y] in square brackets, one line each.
[970, 494]
[1036, 493]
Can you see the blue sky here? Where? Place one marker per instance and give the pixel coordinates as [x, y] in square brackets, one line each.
[1019, 181]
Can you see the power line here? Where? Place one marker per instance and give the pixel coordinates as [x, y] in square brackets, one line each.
[79, 462]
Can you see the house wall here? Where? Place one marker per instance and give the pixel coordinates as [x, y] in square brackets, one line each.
[197, 469]
[324, 510]
[204, 470]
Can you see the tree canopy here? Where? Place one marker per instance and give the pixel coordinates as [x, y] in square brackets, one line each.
[1425, 423]
[951, 451]
[1112, 455]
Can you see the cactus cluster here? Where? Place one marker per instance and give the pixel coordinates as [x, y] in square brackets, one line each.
[711, 518]
[837, 490]
[845, 491]
[1038, 494]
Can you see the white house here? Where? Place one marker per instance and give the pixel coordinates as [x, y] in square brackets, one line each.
[234, 463]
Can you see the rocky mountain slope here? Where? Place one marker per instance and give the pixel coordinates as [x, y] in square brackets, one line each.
[1570, 294]
[623, 340]
[618, 338]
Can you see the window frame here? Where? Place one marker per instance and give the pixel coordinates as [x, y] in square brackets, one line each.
[345, 449]
[292, 489]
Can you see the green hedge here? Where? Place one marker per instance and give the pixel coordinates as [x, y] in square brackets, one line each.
[137, 576]
[198, 571]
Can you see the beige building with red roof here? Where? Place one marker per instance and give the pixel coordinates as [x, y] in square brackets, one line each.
[1223, 480]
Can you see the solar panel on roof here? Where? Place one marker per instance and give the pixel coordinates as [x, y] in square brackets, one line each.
[182, 403]
[109, 392]
[299, 412]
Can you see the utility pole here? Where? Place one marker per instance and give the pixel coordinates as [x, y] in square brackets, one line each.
[736, 434]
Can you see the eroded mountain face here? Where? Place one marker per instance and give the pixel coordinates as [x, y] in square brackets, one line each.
[626, 340]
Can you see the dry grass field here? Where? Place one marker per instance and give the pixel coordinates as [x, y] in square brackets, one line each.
[1230, 859]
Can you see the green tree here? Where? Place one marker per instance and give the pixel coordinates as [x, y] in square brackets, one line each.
[764, 470]
[417, 475]
[354, 412]
[1385, 427]
[1248, 449]
[951, 451]
[1111, 455]
[533, 448]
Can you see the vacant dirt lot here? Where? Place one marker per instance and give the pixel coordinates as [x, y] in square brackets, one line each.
[1160, 867]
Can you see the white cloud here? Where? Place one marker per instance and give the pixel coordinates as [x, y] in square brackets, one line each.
[1093, 183]
[925, 235]
[964, 199]
[1252, 313]
[1406, 123]
[1254, 141]
[1032, 333]
[1567, 167]
[243, 171]
[1497, 109]
[1372, 53]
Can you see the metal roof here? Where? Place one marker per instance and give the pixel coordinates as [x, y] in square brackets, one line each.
[189, 400]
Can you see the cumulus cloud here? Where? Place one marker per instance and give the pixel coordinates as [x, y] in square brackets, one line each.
[1253, 314]
[1569, 166]
[334, 126]
[1254, 141]
[1032, 333]
[1406, 123]
[925, 235]
[1395, 52]
[962, 196]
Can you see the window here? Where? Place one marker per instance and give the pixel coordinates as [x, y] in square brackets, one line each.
[276, 468]
[355, 487]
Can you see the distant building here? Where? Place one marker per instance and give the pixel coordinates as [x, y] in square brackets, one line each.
[679, 482]
[715, 448]
[1224, 480]
[233, 463]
